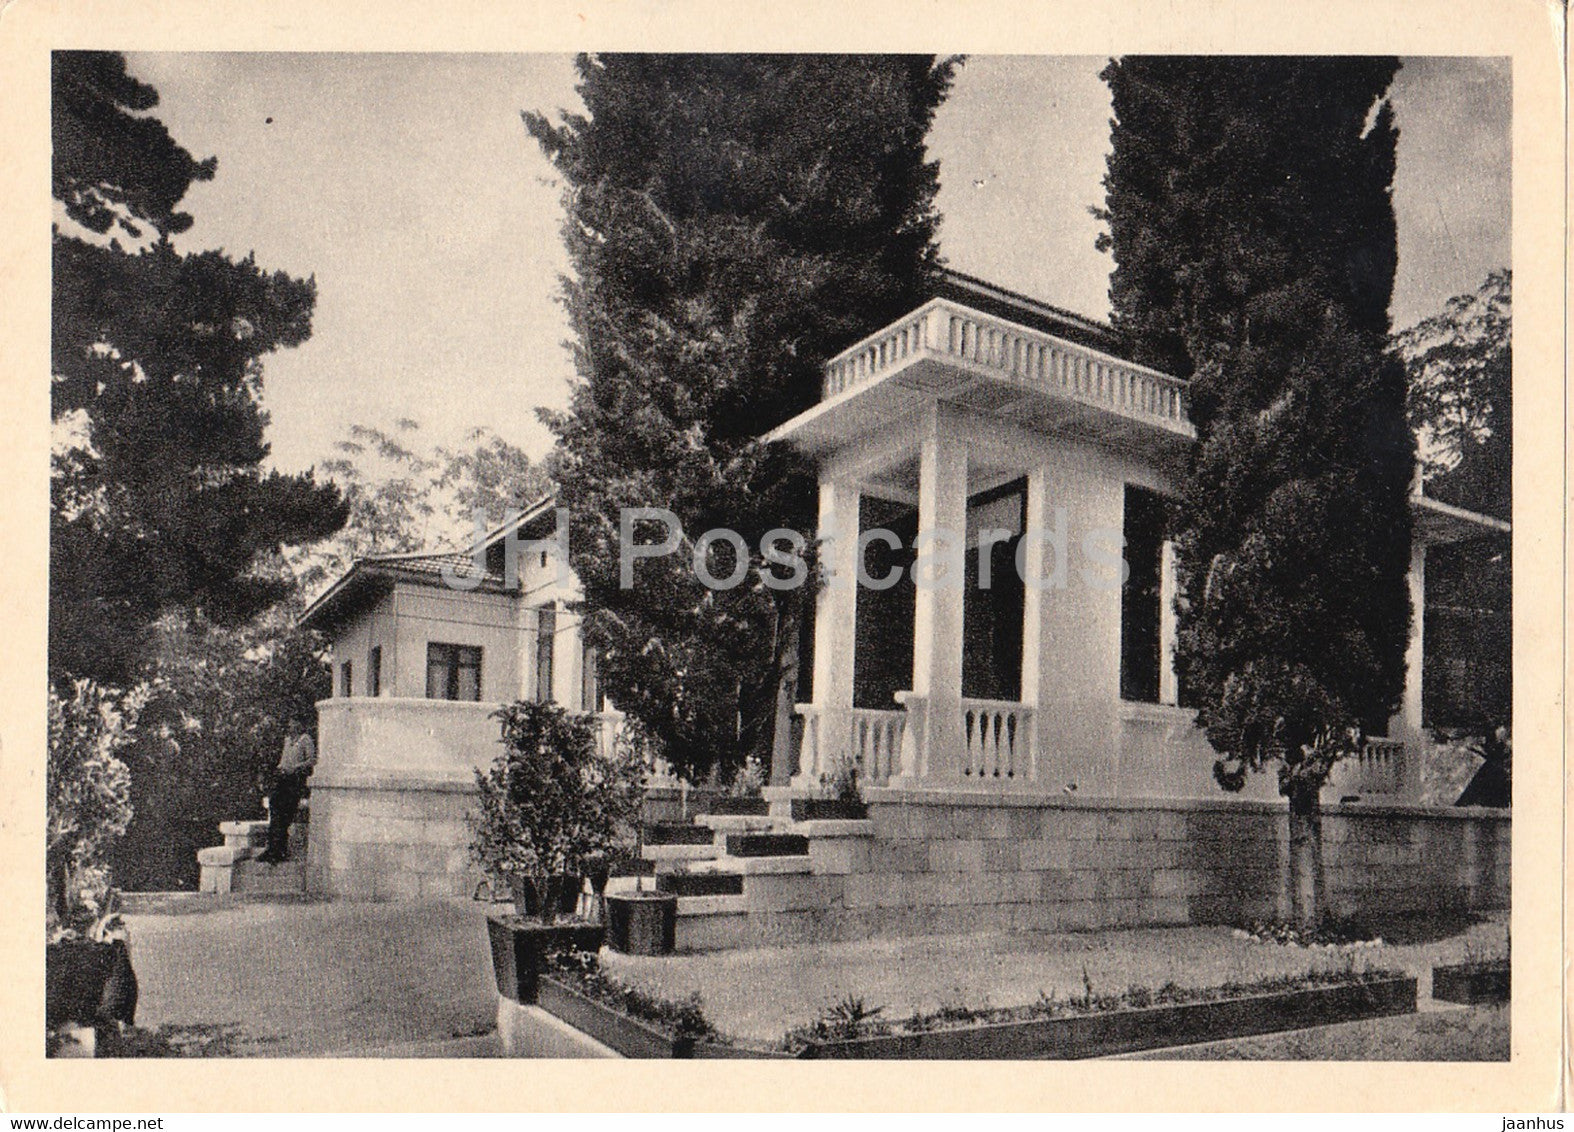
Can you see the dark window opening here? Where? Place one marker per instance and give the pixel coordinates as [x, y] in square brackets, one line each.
[453, 672]
[992, 618]
[346, 680]
[1141, 595]
[546, 633]
[374, 671]
[591, 697]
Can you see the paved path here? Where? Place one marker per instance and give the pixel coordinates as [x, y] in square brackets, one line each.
[316, 979]
[760, 994]
[415, 979]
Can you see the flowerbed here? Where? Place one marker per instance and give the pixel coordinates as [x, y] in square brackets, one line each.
[1331, 935]
[1472, 983]
[1091, 1025]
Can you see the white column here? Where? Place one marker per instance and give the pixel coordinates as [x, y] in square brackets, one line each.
[1035, 635]
[1169, 686]
[938, 601]
[1409, 718]
[835, 623]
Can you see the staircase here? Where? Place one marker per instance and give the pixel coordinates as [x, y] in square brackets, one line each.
[749, 879]
[232, 868]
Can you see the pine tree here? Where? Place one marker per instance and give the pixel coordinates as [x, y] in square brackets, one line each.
[732, 222]
[158, 500]
[1254, 242]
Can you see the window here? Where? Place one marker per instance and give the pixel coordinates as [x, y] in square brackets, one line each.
[453, 672]
[590, 697]
[346, 680]
[1141, 596]
[546, 633]
[374, 671]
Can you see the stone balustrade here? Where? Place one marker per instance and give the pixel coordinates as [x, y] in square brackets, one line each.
[871, 738]
[999, 738]
[950, 332]
[1377, 771]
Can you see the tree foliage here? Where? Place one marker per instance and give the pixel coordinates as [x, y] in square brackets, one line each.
[1461, 366]
[219, 701]
[87, 788]
[158, 498]
[1254, 242]
[405, 496]
[551, 803]
[732, 222]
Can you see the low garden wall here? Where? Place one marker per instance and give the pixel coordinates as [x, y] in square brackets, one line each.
[949, 862]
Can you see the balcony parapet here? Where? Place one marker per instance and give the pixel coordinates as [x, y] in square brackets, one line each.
[945, 331]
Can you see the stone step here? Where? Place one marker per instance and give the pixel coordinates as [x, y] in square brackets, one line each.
[730, 905]
[767, 845]
[256, 877]
[834, 827]
[740, 823]
[737, 806]
[244, 832]
[666, 853]
[223, 856]
[672, 833]
[700, 884]
[752, 866]
[241, 834]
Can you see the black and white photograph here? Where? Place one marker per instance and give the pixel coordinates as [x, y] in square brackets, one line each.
[783, 555]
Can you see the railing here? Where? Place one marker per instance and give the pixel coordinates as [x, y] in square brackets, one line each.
[998, 737]
[945, 329]
[1378, 770]
[872, 738]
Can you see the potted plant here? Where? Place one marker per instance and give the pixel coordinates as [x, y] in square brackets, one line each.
[641, 922]
[88, 977]
[841, 798]
[744, 794]
[549, 809]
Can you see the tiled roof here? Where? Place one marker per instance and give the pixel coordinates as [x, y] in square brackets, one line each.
[430, 565]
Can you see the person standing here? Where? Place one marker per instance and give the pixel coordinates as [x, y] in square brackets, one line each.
[295, 766]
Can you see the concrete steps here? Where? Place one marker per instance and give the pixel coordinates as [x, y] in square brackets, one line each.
[232, 868]
[727, 868]
[700, 884]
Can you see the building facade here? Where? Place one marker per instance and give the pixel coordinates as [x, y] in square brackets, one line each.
[1024, 746]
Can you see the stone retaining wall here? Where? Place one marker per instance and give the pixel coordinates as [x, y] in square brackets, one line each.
[953, 862]
[396, 836]
[380, 837]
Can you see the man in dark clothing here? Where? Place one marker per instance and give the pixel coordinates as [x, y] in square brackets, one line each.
[295, 766]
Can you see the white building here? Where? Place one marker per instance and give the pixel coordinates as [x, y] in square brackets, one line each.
[1025, 758]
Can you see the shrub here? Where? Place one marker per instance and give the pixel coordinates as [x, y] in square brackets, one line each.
[89, 798]
[551, 805]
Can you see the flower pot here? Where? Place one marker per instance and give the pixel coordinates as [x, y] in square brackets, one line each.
[526, 903]
[828, 809]
[520, 949]
[90, 984]
[642, 923]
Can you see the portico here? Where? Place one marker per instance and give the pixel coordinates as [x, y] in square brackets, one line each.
[956, 442]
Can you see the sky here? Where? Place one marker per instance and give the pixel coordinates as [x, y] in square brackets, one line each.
[407, 186]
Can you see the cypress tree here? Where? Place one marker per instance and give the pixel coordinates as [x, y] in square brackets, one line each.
[1250, 219]
[732, 222]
